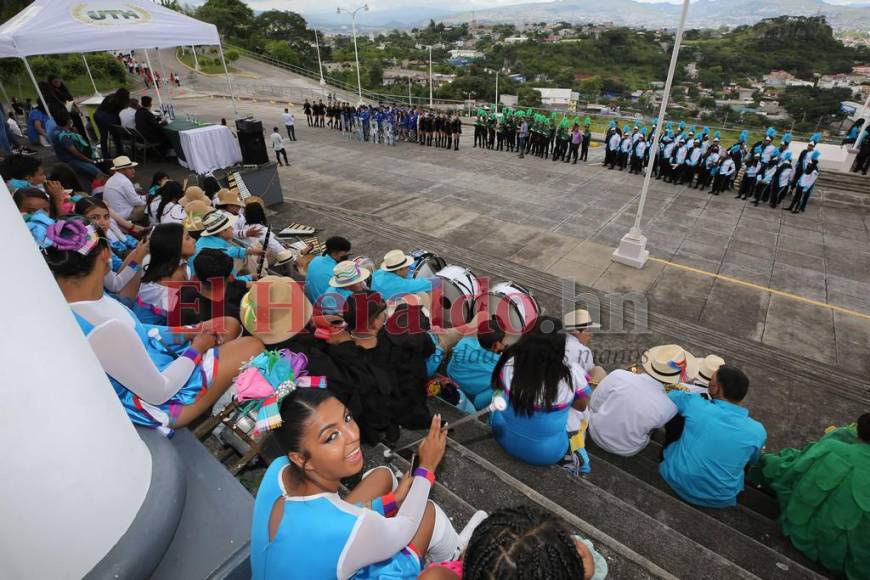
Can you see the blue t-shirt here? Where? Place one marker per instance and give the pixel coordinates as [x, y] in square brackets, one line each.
[471, 368]
[390, 285]
[317, 279]
[705, 466]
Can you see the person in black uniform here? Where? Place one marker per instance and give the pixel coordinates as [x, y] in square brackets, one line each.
[438, 124]
[306, 108]
[457, 130]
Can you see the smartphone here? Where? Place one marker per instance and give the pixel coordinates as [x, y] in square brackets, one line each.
[415, 462]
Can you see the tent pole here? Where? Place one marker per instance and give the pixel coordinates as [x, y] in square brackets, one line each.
[229, 84]
[88, 68]
[36, 86]
[195, 60]
[156, 88]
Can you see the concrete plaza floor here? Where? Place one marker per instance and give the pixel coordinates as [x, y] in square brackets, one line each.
[800, 283]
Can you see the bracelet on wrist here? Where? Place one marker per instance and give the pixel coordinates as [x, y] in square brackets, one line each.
[193, 355]
[425, 473]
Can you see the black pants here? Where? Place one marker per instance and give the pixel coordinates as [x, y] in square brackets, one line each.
[279, 153]
[673, 432]
[584, 150]
[291, 132]
[572, 152]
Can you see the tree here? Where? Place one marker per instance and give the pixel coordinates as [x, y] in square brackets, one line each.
[813, 102]
[233, 18]
[375, 75]
[283, 25]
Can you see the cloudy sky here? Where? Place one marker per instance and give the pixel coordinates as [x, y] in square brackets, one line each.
[319, 6]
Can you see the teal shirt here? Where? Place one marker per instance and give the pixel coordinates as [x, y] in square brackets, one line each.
[334, 298]
[705, 466]
[471, 368]
[216, 243]
[390, 285]
[317, 279]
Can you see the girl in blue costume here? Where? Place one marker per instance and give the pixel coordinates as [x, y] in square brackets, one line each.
[127, 256]
[156, 388]
[381, 529]
[171, 246]
[541, 388]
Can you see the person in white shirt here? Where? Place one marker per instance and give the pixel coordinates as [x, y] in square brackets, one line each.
[128, 115]
[627, 406]
[289, 124]
[119, 192]
[278, 146]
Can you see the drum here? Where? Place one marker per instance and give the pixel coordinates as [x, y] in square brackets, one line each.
[513, 305]
[425, 265]
[453, 299]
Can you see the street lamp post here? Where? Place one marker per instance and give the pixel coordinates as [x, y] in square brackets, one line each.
[319, 63]
[352, 13]
[470, 93]
[430, 76]
[496, 92]
[632, 248]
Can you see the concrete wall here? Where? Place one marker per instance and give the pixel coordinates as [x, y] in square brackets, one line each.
[74, 470]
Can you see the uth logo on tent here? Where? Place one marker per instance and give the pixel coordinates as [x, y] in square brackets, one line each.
[109, 13]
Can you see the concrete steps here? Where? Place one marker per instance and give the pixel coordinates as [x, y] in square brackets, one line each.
[624, 499]
[843, 181]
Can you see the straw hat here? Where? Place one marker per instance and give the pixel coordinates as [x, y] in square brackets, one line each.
[578, 320]
[706, 367]
[122, 162]
[255, 199]
[288, 317]
[396, 260]
[670, 364]
[196, 210]
[193, 193]
[227, 197]
[347, 273]
[215, 222]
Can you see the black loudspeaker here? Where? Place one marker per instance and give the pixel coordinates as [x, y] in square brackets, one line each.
[252, 142]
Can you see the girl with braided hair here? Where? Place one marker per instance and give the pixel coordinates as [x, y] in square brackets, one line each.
[302, 528]
[525, 543]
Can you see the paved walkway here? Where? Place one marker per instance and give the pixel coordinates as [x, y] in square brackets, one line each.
[804, 280]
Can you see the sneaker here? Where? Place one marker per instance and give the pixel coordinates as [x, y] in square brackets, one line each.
[466, 533]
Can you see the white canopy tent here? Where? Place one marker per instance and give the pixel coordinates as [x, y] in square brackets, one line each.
[71, 26]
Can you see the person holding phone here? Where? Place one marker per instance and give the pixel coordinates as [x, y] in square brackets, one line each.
[302, 527]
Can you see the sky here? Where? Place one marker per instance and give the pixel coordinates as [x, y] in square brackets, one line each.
[319, 6]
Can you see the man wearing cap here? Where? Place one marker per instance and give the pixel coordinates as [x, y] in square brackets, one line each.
[392, 281]
[119, 192]
[627, 406]
[705, 463]
[319, 272]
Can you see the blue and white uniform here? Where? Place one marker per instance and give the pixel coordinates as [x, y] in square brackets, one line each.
[323, 536]
[542, 438]
[153, 384]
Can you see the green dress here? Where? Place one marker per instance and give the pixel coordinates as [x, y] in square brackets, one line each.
[824, 498]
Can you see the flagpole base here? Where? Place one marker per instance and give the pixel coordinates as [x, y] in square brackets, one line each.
[632, 250]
